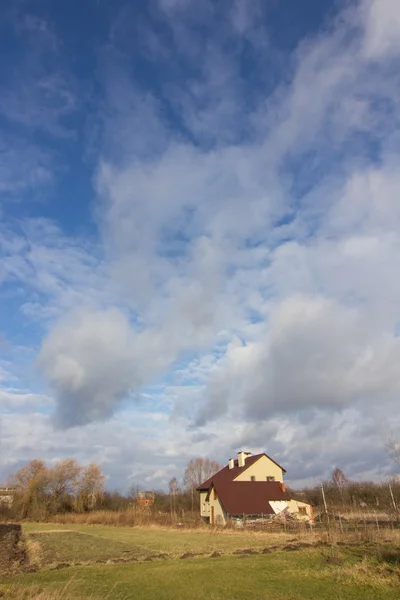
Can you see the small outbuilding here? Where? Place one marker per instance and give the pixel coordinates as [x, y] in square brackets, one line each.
[145, 499]
[7, 495]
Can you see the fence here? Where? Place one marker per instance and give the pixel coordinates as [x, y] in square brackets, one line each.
[330, 522]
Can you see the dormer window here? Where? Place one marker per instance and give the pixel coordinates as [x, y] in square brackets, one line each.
[270, 478]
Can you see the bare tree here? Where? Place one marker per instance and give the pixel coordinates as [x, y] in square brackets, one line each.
[41, 490]
[173, 491]
[199, 470]
[394, 450]
[24, 476]
[133, 492]
[90, 487]
[340, 480]
[31, 483]
[64, 478]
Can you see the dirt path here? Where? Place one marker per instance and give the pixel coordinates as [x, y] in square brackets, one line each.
[38, 531]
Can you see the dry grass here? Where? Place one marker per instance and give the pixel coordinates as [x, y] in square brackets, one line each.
[68, 591]
[131, 517]
[377, 575]
[34, 551]
[368, 535]
[35, 592]
[126, 518]
[115, 522]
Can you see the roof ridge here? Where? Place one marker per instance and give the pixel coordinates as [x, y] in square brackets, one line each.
[235, 471]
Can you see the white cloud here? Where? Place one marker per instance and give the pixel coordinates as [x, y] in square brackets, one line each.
[317, 353]
[253, 264]
[89, 360]
[382, 28]
[14, 400]
[133, 449]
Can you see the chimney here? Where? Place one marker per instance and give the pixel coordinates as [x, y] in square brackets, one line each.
[231, 463]
[283, 486]
[242, 458]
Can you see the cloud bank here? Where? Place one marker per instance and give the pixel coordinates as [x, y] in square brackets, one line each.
[239, 282]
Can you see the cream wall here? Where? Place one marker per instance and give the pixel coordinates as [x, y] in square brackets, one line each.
[219, 517]
[262, 468]
[295, 505]
[204, 506]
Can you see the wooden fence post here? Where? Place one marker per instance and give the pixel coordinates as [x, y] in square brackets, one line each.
[376, 519]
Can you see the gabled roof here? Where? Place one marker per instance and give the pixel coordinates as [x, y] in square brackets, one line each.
[226, 474]
[250, 497]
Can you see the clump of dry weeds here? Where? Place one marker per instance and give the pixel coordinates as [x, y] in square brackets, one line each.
[34, 552]
[375, 574]
[35, 592]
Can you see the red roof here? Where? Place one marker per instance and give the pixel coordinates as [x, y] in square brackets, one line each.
[226, 474]
[245, 497]
[249, 497]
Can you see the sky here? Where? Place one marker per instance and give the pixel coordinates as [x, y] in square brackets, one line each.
[200, 235]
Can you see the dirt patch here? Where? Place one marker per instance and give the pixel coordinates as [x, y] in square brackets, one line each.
[333, 560]
[245, 551]
[391, 556]
[117, 560]
[305, 545]
[215, 554]
[188, 555]
[61, 566]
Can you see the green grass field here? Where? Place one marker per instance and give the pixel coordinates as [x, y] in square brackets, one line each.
[365, 573]
[93, 542]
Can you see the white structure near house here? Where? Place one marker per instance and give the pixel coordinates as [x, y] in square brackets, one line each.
[6, 495]
[250, 486]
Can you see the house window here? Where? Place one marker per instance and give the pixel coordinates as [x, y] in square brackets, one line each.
[215, 494]
[270, 478]
[302, 510]
[253, 478]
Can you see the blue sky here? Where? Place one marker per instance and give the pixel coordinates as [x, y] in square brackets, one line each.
[199, 234]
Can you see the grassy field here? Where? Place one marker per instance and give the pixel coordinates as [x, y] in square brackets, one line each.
[86, 542]
[251, 566]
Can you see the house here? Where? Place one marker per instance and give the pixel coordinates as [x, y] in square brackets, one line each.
[145, 499]
[251, 486]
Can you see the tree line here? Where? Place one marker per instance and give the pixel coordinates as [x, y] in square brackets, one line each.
[42, 490]
[344, 493]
